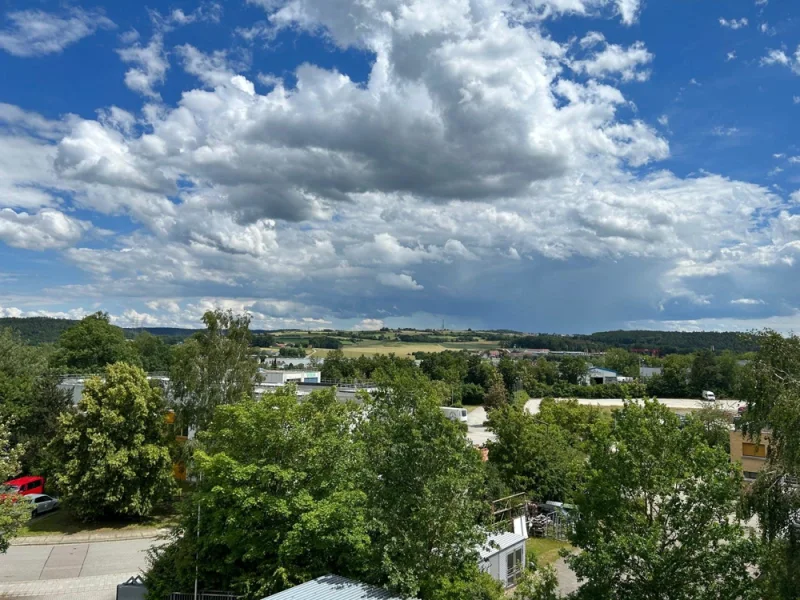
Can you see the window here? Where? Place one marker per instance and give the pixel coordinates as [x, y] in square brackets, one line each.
[750, 475]
[41, 499]
[514, 566]
[754, 450]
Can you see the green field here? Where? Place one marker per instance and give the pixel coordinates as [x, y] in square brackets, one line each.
[62, 521]
[545, 550]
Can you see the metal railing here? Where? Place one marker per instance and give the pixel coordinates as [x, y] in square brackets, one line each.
[203, 596]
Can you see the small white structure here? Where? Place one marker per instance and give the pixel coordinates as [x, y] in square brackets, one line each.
[503, 557]
[278, 377]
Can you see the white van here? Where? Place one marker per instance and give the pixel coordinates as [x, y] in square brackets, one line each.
[455, 414]
[708, 396]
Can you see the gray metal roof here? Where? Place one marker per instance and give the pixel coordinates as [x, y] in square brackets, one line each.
[333, 587]
[498, 542]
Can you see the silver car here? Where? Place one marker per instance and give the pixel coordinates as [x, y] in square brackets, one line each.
[42, 503]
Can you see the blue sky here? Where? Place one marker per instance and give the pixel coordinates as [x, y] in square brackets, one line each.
[542, 165]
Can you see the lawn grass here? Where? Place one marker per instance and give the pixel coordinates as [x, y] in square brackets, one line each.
[545, 550]
[61, 522]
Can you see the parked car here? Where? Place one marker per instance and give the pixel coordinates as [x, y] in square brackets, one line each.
[42, 503]
[30, 484]
[708, 396]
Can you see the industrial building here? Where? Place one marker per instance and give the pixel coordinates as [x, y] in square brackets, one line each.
[333, 587]
[600, 376]
[280, 377]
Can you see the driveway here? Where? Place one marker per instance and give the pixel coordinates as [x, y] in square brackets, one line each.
[66, 571]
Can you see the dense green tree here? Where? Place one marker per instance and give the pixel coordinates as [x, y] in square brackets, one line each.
[573, 369]
[655, 514]
[472, 394]
[705, 373]
[14, 512]
[213, 368]
[623, 362]
[154, 354]
[112, 453]
[92, 344]
[288, 491]
[30, 399]
[715, 423]
[541, 584]
[277, 498]
[770, 383]
[545, 371]
[575, 419]
[291, 352]
[674, 380]
[496, 396]
[425, 496]
[533, 456]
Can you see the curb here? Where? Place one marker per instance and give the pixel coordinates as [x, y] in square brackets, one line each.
[87, 538]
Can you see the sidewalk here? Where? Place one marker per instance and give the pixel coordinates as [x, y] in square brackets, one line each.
[101, 587]
[85, 538]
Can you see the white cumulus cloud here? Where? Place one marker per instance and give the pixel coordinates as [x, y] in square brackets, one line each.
[400, 281]
[37, 33]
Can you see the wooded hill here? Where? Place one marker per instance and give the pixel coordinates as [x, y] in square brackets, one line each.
[42, 330]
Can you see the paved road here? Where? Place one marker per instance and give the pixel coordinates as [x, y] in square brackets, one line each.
[479, 435]
[64, 571]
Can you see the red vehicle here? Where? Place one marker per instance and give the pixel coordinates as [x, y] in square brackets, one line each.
[30, 484]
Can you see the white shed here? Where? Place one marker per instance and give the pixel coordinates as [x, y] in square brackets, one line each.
[503, 556]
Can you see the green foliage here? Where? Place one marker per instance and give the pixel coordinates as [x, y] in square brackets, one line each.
[326, 341]
[472, 394]
[289, 491]
[674, 380]
[655, 514]
[533, 456]
[92, 344]
[14, 511]
[577, 420]
[30, 399]
[424, 487]
[278, 499]
[770, 384]
[213, 368]
[541, 584]
[623, 362]
[715, 423]
[289, 352]
[337, 367]
[113, 461]
[572, 369]
[496, 396]
[154, 353]
[262, 340]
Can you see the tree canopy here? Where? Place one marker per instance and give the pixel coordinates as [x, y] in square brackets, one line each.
[13, 511]
[111, 451]
[92, 344]
[656, 514]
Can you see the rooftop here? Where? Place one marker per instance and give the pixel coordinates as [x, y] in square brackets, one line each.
[333, 587]
[499, 541]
